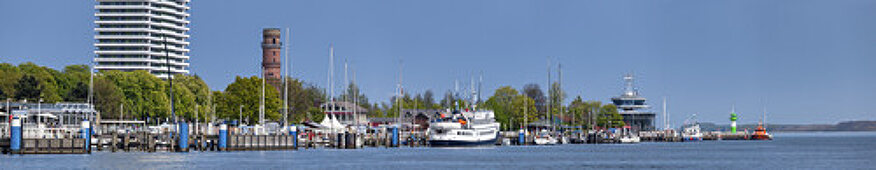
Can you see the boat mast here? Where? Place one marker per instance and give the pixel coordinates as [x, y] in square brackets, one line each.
[285, 82]
[355, 97]
[456, 94]
[480, 84]
[559, 89]
[548, 110]
[665, 115]
[169, 75]
[400, 92]
[763, 118]
[90, 92]
[262, 100]
[346, 81]
[330, 96]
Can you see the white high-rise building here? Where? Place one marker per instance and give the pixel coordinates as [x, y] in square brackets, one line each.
[130, 35]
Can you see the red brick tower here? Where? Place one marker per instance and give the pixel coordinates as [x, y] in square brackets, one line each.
[271, 61]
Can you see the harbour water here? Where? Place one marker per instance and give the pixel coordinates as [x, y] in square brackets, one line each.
[828, 150]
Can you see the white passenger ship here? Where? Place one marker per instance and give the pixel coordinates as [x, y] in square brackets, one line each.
[467, 128]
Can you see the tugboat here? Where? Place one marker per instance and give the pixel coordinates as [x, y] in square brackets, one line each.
[761, 134]
[468, 128]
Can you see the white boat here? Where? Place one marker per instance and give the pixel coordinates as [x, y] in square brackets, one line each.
[628, 137]
[544, 138]
[468, 128]
[691, 131]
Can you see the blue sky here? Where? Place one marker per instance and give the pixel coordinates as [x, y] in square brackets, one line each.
[810, 61]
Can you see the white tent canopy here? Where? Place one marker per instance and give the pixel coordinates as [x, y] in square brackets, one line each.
[332, 123]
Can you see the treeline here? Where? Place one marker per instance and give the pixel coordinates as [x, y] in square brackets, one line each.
[512, 107]
[31, 82]
[142, 96]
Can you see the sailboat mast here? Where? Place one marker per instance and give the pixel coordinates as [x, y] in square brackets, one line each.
[763, 118]
[549, 115]
[665, 119]
[355, 97]
[90, 91]
[331, 102]
[400, 92]
[328, 80]
[332, 77]
[559, 89]
[262, 101]
[480, 84]
[285, 81]
[346, 79]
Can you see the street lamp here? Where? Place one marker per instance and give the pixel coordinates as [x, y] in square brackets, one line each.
[240, 115]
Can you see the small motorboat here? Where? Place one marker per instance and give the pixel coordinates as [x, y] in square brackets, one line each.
[544, 138]
[628, 137]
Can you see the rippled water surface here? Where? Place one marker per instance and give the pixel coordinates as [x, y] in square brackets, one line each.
[835, 150]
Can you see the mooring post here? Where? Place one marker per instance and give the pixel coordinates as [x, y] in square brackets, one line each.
[394, 136]
[183, 131]
[521, 137]
[86, 129]
[15, 144]
[223, 137]
[294, 132]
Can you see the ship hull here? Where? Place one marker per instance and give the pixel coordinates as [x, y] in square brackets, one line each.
[761, 137]
[459, 143]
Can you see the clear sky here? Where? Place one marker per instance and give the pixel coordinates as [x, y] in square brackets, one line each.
[810, 61]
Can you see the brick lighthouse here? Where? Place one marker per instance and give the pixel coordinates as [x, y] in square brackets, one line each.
[271, 61]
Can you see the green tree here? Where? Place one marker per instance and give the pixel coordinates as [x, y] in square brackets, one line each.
[45, 77]
[556, 95]
[523, 108]
[192, 94]
[9, 75]
[449, 100]
[354, 94]
[534, 92]
[501, 102]
[73, 83]
[429, 100]
[608, 113]
[107, 98]
[27, 88]
[578, 111]
[247, 92]
[302, 98]
[315, 114]
[146, 96]
[375, 111]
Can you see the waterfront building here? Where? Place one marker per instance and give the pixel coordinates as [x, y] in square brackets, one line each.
[633, 108]
[47, 120]
[271, 61]
[139, 34]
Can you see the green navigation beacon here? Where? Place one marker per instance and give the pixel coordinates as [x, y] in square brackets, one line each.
[732, 122]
